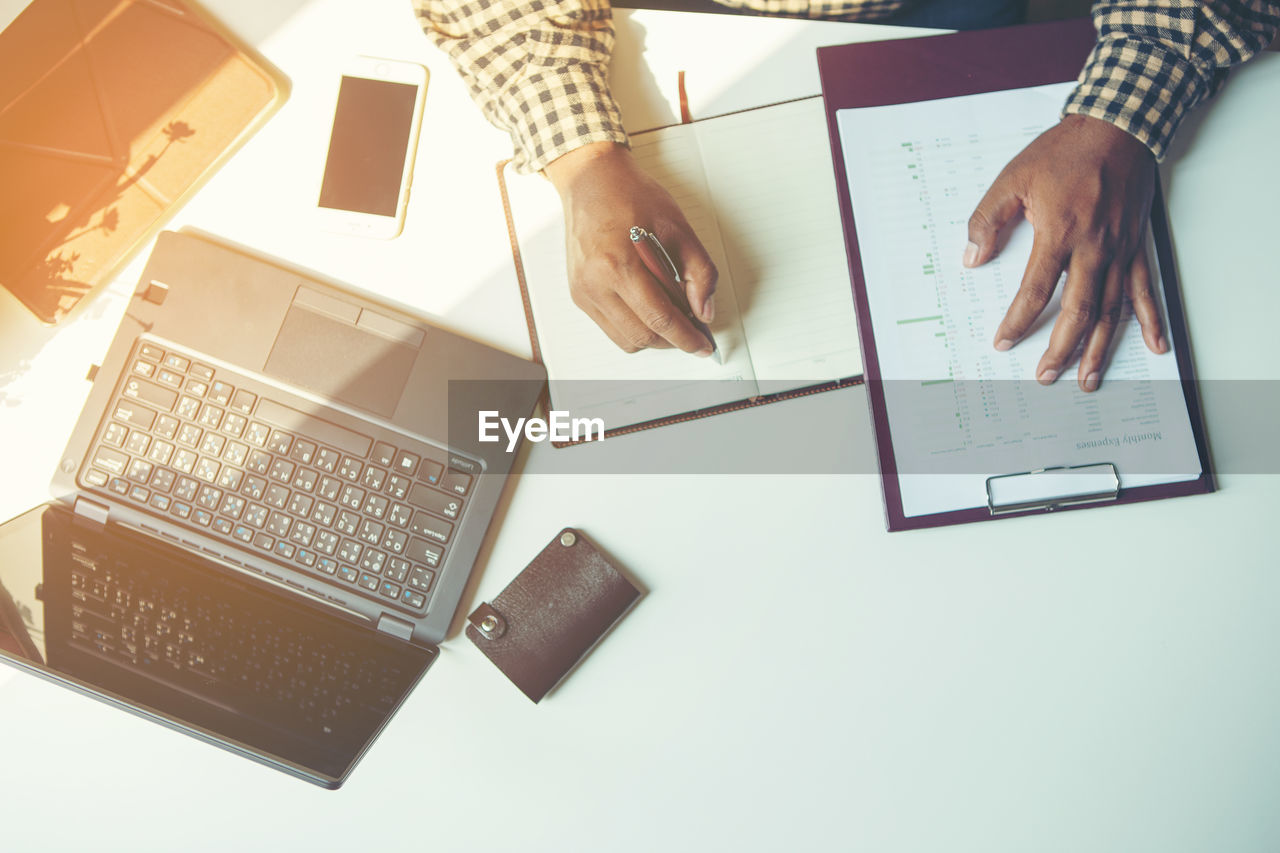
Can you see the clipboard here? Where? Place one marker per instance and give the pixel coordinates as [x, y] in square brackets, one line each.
[968, 63]
[112, 114]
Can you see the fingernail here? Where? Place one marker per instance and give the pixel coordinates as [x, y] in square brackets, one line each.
[1004, 344]
[705, 352]
[1162, 345]
[970, 253]
[1091, 381]
[1047, 376]
[709, 309]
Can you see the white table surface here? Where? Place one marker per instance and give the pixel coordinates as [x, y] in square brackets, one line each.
[1099, 680]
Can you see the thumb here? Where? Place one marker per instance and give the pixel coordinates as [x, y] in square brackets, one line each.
[698, 272]
[1000, 205]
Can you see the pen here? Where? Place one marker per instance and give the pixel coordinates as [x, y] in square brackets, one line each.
[658, 261]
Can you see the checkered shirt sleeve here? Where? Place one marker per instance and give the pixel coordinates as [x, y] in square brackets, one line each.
[1154, 61]
[539, 68]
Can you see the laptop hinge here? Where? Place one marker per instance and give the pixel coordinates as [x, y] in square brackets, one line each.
[91, 512]
[395, 627]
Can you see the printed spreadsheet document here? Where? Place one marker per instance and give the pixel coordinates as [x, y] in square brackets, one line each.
[958, 410]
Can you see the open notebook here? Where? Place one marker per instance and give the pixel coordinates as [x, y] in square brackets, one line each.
[757, 187]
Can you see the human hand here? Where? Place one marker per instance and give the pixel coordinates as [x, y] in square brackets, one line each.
[1086, 188]
[604, 193]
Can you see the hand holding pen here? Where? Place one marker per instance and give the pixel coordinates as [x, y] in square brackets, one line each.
[604, 192]
[659, 263]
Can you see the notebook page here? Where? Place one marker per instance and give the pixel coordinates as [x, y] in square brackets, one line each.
[958, 410]
[589, 376]
[770, 174]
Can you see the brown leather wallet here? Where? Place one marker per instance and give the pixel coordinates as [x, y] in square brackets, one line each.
[553, 613]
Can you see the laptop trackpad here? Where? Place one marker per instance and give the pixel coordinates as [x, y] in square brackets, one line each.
[337, 358]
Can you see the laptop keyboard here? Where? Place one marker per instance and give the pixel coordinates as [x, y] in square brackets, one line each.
[229, 651]
[212, 451]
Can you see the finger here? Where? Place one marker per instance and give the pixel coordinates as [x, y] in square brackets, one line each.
[607, 325]
[1079, 313]
[1093, 359]
[650, 317]
[1145, 308]
[697, 271]
[1044, 268]
[998, 208]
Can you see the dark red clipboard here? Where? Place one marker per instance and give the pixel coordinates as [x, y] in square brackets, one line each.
[872, 74]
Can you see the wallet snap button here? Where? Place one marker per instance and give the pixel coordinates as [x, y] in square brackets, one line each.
[567, 539]
[488, 622]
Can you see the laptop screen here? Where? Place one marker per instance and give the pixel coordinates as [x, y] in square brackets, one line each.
[145, 624]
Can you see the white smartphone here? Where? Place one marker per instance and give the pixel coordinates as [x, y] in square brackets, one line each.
[365, 187]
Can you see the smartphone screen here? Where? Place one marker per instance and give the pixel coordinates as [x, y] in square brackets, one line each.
[371, 134]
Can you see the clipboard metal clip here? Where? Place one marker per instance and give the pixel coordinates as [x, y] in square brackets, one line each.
[1053, 488]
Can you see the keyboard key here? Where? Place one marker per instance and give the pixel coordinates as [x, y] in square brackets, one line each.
[376, 506]
[168, 377]
[220, 393]
[370, 532]
[400, 515]
[397, 569]
[300, 505]
[390, 590]
[305, 557]
[348, 522]
[279, 524]
[282, 471]
[433, 501]
[305, 480]
[373, 561]
[235, 454]
[94, 477]
[151, 394]
[398, 487]
[160, 502]
[370, 582]
[223, 526]
[162, 480]
[284, 550]
[119, 486]
[280, 442]
[230, 478]
[326, 541]
[139, 494]
[430, 472]
[202, 517]
[406, 463]
[430, 527]
[202, 372]
[114, 435]
[138, 443]
[259, 461]
[303, 533]
[257, 434]
[277, 496]
[185, 461]
[243, 533]
[394, 541]
[328, 565]
[323, 513]
[350, 469]
[233, 424]
[196, 388]
[384, 454]
[207, 470]
[167, 426]
[348, 574]
[255, 487]
[151, 352]
[349, 551]
[180, 509]
[210, 416]
[209, 497]
[255, 515]
[373, 478]
[416, 600]
[243, 402]
[135, 415]
[190, 435]
[457, 482]
[161, 452]
[263, 541]
[420, 579]
[327, 460]
[188, 407]
[232, 506]
[330, 488]
[187, 489]
[303, 451]
[351, 497]
[144, 368]
[176, 362]
[212, 444]
[421, 551]
[112, 461]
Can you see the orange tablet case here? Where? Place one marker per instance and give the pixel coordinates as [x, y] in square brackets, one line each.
[112, 113]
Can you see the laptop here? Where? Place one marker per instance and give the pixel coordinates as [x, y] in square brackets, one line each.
[271, 505]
